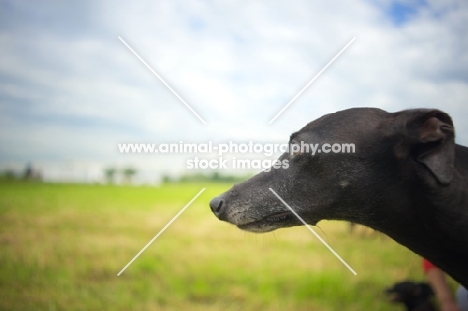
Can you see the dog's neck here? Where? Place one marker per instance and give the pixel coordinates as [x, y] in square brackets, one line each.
[437, 246]
[431, 229]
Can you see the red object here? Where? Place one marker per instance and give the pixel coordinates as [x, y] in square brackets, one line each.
[427, 265]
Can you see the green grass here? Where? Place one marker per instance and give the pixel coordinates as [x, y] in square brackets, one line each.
[63, 245]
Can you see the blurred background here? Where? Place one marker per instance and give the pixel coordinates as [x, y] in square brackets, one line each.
[71, 215]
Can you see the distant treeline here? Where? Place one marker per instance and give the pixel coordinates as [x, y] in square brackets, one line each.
[215, 177]
[126, 175]
[28, 174]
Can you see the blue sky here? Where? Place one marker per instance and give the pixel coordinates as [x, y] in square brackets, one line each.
[402, 12]
[70, 90]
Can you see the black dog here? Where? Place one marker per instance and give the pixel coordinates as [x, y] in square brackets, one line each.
[415, 296]
[407, 179]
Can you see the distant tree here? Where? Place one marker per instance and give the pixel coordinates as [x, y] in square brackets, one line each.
[110, 174]
[166, 179]
[8, 175]
[128, 173]
[31, 174]
[216, 177]
[28, 172]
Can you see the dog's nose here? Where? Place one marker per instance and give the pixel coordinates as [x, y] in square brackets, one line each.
[216, 204]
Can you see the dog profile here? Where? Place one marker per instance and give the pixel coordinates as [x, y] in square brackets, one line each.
[407, 178]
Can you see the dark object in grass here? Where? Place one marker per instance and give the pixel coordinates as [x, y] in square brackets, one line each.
[415, 296]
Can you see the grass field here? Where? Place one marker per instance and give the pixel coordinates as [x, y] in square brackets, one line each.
[63, 245]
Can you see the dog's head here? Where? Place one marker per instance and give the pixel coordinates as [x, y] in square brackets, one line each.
[363, 161]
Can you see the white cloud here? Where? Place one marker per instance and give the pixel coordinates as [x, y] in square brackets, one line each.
[237, 63]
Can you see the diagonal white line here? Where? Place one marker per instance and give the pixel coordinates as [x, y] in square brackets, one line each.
[313, 231]
[160, 232]
[162, 80]
[311, 81]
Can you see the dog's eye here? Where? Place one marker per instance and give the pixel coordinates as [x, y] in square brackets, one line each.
[294, 148]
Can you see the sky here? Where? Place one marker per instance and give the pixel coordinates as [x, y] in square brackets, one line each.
[70, 91]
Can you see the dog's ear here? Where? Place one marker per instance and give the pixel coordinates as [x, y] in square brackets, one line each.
[433, 142]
